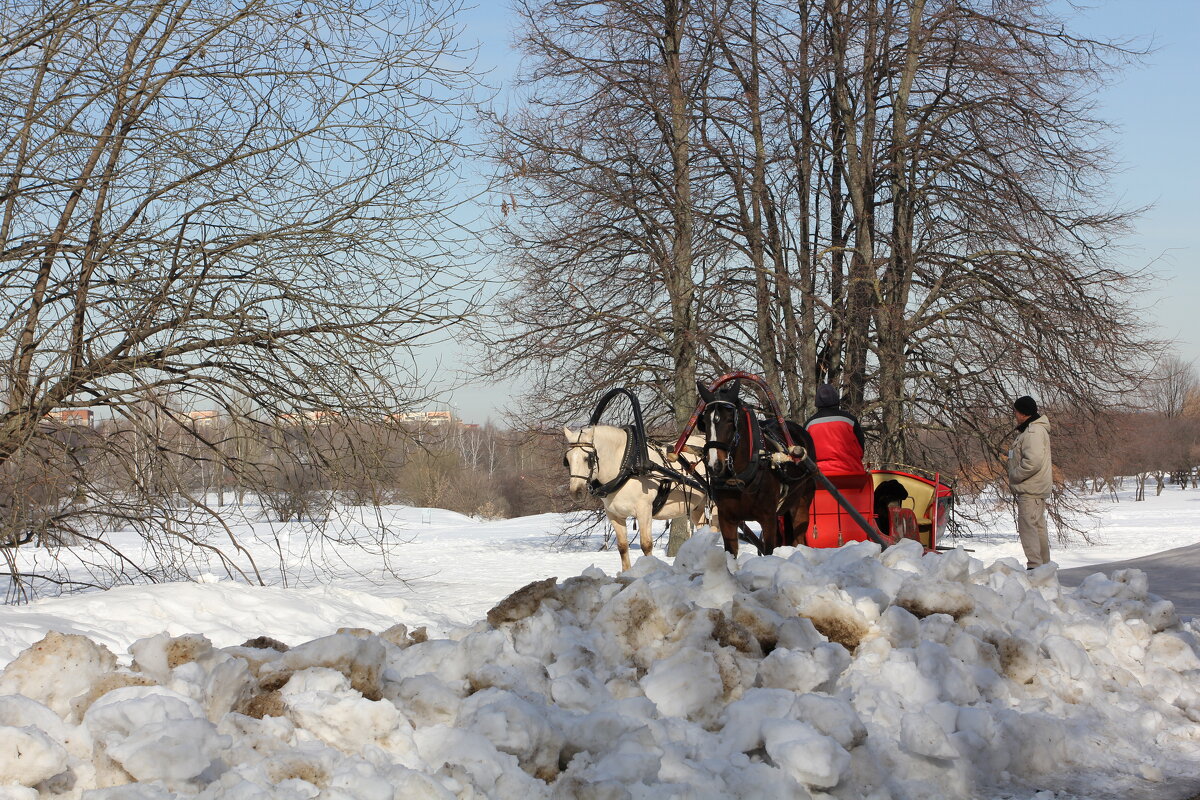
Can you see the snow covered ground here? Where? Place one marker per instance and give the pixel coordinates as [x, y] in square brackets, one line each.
[848, 674]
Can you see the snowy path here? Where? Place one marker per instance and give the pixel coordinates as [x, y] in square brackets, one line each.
[1174, 575]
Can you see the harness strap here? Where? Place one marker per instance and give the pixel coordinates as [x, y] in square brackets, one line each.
[631, 465]
[592, 459]
[754, 431]
[660, 497]
[787, 462]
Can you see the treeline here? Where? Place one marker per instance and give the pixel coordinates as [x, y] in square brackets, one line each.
[79, 478]
[1153, 445]
[1147, 448]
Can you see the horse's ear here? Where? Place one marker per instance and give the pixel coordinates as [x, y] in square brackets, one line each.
[705, 394]
[570, 434]
[737, 389]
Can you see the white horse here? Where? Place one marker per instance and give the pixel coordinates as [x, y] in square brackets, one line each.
[595, 454]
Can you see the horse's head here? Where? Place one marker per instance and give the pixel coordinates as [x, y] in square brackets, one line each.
[581, 461]
[719, 424]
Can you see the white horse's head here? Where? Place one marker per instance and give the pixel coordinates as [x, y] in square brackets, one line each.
[594, 453]
[581, 461]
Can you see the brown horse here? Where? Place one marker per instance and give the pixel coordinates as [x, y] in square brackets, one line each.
[751, 477]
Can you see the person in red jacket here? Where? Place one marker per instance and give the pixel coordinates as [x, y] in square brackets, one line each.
[837, 436]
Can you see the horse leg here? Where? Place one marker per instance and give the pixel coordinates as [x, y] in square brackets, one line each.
[645, 521]
[770, 531]
[620, 526]
[729, 535]
[800, 511]
[787, 533]
[697, 515]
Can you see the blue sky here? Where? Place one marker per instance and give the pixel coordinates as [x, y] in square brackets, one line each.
[1155, 110]
[1155, 113]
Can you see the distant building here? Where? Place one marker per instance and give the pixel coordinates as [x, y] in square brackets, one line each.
[204, 418]
[319, 417]
[83, 417]
[424, 417]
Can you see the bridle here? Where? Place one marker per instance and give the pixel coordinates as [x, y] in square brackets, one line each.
[726, 463]
[591, 459]
[725, 468]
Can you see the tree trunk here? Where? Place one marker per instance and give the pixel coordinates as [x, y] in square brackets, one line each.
[681, 289]
[808, 370]
[892, 333]
[859, 176]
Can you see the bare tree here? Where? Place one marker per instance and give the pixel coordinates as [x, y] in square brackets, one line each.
[606, 205]
[244, 205]
[1173, 382]
[607, 187]
[906, 198]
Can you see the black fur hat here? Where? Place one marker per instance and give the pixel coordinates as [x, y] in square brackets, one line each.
[1026, 405]
[827, 396]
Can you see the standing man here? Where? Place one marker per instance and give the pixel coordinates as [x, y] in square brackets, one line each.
[837, 436]
[1031, 478]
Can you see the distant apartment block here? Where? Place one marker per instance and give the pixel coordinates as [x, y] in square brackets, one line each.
[84, 417]
[319, 417]
[426, 417]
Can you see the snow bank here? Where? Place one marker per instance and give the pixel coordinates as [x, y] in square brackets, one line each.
[844, 673]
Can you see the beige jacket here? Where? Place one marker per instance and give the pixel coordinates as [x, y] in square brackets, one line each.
[1029, 469]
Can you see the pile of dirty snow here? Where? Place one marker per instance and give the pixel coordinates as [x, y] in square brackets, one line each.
[845, 673]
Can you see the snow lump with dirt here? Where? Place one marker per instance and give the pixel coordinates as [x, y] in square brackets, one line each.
[848, 673]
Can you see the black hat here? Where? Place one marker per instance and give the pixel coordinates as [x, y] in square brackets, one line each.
[827, 396]
[1026, 405]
